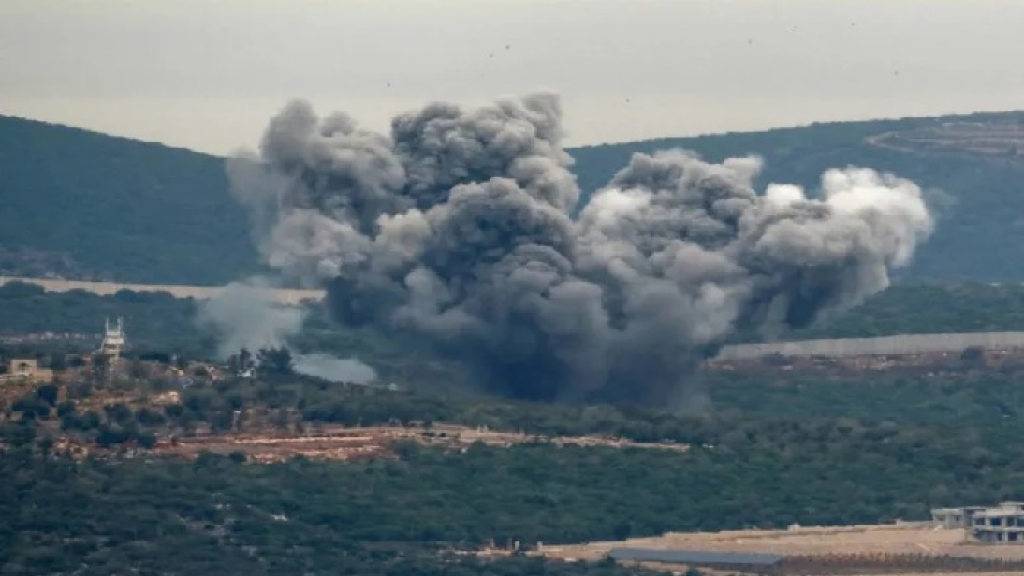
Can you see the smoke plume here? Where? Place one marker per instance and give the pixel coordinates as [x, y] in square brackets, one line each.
[456, 226]
[245, 315]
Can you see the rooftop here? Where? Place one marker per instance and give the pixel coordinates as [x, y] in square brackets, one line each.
[1000, 512]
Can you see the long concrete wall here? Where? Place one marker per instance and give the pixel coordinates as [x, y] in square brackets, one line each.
[898, 344]
[285, 296]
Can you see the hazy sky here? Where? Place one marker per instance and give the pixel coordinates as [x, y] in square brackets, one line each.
[207, 74]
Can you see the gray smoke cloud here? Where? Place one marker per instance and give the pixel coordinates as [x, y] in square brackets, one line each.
[456, 226]
[245, 315]
[335, 369]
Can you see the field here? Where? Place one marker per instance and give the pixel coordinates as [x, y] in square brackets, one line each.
[993, 139]
[285, 296]
[906, 538]
[340, 443]
[870, 546]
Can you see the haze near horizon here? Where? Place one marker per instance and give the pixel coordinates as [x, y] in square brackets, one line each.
[207, 76]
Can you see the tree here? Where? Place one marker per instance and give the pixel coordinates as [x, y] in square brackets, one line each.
[100, 367]
[32, 407]
[18, 434]
[241, 361]
[150, 418]
[119, 413]
[45, 445]
[146, 440]
[234, 364]
[48, 393]
[80, 391]
[137, 370]
[65, 408]
[58, 361]
[622, 530]
[274, 361]
[973, 355]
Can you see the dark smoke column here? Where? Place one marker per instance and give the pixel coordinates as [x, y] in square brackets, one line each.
[455, 227]
[688, 252]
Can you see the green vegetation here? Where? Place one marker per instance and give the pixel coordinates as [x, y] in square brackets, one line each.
[90, 206]
[222, 514]
[777, 449]
[118, 209]
[978, 398]
[160, 321]
[217, 516]
[978, 231]
[908, 308]
[156, 320]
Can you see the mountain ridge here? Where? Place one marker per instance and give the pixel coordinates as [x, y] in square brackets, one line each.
[81, 204]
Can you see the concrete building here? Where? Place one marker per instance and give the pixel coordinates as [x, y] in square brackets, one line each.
[1002, 524]
[28, 369]
[955, 517]
[999, 525]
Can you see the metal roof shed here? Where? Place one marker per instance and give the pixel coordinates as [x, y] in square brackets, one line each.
[695, 558]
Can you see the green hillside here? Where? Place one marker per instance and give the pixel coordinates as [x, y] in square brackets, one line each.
[86, 205]
[981, 233]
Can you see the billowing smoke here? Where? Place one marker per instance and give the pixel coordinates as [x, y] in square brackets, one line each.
[456, 227]
[336, 369]
[246, 315]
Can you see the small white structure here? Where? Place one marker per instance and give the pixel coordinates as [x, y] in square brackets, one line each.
[962, 517]
[114, 341]
[27, 369]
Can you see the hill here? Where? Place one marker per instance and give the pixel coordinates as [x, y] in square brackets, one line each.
[136, 504]
[84, 205]
[974, 160]
[188, 476]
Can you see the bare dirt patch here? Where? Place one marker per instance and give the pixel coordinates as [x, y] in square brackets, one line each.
[359, 443]
[831, 544]
[1002, 138]
[906, 538]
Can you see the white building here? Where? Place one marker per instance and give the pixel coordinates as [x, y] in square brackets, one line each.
[114, 341]
[955, 517]
[1002, 524]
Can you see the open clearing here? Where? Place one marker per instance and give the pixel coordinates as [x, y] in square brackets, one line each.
[341, 443]
[897, 540]
[282, 295]
[905, 538]
[999, 138]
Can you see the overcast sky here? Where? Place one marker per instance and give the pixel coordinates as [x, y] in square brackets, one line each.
[207, 74]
